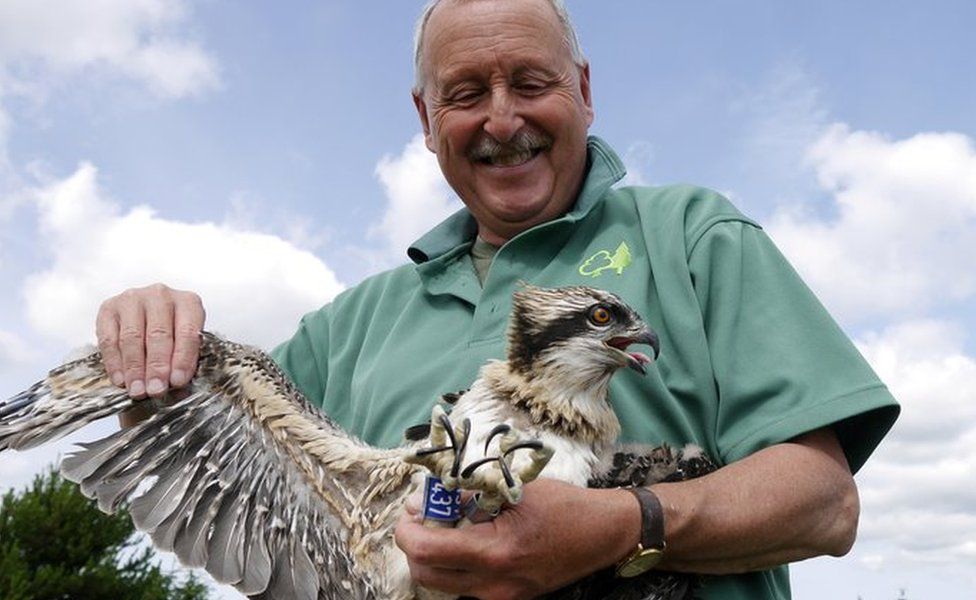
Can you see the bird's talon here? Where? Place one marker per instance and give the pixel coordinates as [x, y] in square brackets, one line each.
[468, 472]
[443, 437]
[503, 483]
[460, 448]
[506, 470]
[501, 428]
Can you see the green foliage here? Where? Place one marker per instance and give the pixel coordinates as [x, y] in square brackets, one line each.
[55, 543]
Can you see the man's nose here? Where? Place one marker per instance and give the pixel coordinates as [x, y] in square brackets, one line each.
[503, 119]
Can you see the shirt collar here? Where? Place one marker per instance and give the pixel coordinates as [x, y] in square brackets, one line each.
[460, 229]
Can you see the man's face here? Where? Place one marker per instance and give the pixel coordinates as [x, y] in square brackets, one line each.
[506, 111]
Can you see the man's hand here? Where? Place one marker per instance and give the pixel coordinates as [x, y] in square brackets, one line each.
[551, 538]
[150, 338]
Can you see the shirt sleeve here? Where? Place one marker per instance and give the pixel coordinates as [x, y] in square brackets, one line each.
[782, 366]
[304, 357]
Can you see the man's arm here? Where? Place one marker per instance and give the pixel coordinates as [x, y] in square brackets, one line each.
[787, 502]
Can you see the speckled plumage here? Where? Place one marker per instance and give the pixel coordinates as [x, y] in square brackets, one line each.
[257, 486]
[254, 484]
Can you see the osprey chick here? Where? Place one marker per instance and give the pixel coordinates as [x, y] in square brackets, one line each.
[563, 347]
[245, 478]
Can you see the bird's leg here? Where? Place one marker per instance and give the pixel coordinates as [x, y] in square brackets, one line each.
[445, 452]
[538, 458]
[494, 477]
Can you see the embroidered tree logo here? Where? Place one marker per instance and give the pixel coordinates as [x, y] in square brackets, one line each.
[603, 261]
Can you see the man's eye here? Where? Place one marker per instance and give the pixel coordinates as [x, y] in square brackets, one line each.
[530, 87]
[465, 97]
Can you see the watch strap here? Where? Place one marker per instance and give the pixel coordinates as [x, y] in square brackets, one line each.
[652, 518]
[650, 549]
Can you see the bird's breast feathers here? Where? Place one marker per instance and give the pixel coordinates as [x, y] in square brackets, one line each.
[486, 407]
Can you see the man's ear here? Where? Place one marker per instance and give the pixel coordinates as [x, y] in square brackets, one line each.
[418, 101]
[584, 83]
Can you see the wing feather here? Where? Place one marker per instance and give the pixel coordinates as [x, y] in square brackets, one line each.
[294, 575]
[191, 545]
[241, 476]
[257, 565]
[59, 405]
[227, 562]
[165, 534]
[158, 503]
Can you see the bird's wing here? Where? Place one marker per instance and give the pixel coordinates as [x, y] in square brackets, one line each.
[640, 464]
[242, 476]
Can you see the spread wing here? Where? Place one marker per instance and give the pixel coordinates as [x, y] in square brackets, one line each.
[242, 476]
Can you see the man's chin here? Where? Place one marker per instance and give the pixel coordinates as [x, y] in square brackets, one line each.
[508, 219]
[514, 193]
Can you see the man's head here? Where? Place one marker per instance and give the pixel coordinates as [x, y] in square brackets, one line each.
[503, 94]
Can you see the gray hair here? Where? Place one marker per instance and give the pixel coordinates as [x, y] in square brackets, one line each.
[570, 38]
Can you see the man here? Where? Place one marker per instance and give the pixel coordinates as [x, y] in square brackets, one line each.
[752, 369]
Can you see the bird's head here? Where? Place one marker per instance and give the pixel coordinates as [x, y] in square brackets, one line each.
[578, 329]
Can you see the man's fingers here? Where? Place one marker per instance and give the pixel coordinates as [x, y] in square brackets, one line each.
[107, 333]
[423, 552]
[189, 318]
[159, 340]
[444, 580]
[451, 549]
[132, 343]
[150, 338]
[414, 503]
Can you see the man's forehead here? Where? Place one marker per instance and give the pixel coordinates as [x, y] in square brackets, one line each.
[460, 19]
[526, 65]
[539, 6]
[451, 29]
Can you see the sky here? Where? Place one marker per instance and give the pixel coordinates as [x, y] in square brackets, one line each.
[266, 155]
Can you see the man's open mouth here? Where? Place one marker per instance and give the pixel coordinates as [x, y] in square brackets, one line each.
[510, 159]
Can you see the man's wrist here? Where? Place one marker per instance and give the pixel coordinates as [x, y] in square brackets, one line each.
[650, 549]
[624, 528]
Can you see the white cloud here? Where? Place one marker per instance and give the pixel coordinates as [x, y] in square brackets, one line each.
[638, 160]
[255, 286]
[873, 561]
[172, 69]
[917, 490]
[251, 212]
[45, 44]
[139, 38]
[782, 114]
[4, 132]
[886, 236]
[418, 197]
[785, 113]
[8, 179]
[904, 232]
[14, 351]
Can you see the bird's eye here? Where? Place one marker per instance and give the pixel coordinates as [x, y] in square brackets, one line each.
[600, 315]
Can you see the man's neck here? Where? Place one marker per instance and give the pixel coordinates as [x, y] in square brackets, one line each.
[482, 254]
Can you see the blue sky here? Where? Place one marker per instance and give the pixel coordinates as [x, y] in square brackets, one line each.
[265, 155]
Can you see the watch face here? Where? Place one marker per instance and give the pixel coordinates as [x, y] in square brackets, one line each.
[640, 562]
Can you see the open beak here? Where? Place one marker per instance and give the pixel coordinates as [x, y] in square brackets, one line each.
[637, 360]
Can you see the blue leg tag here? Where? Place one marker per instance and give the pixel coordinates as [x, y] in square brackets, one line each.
[440, 503]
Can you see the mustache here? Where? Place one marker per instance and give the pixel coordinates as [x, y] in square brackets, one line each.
[524, 140]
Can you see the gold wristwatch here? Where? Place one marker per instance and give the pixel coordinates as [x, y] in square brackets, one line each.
[650, 549]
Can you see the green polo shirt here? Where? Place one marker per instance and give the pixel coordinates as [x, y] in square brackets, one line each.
[749, 357]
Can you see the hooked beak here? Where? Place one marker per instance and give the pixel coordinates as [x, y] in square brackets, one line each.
[637, 360]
